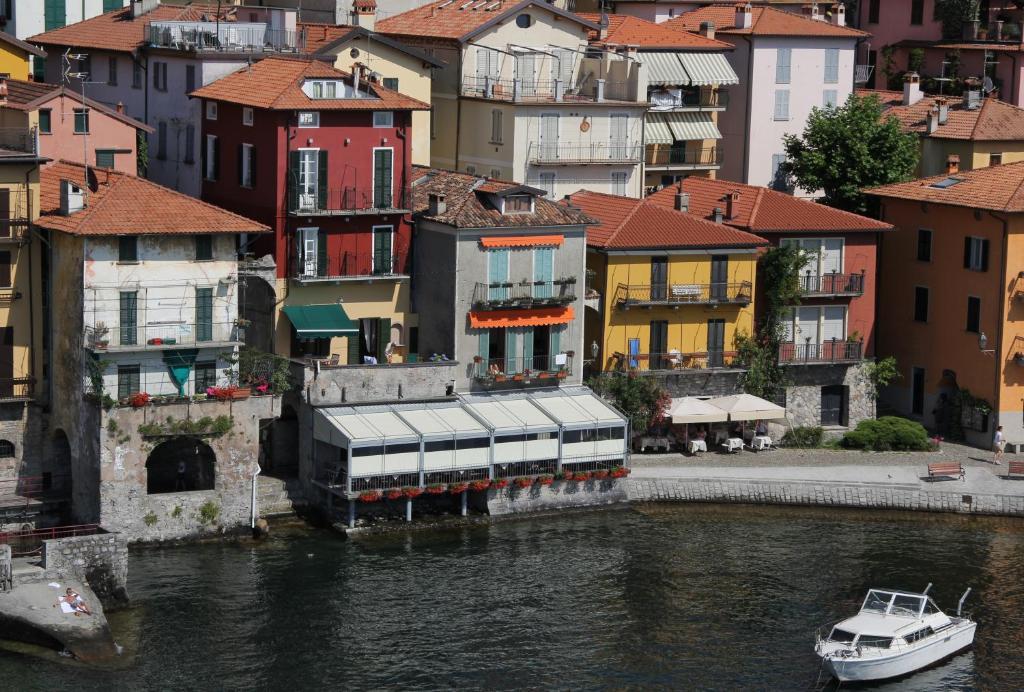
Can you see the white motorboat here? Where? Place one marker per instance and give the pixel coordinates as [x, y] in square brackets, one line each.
[895, 633]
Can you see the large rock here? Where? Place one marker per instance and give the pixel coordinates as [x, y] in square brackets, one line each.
[30, 613]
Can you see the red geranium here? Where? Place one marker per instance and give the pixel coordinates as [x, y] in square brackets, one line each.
[546, 479]
[457, 488]
[435, 488]
[139, 399]
[569, 477]
[524, 482]
[499, 483]
[221, 393]
[395, 494]
[412, 492]
[482, 484]
[370, 496]
[582, 476]
[601, 474]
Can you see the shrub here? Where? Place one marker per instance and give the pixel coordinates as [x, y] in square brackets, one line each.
[805, 436]
[209, 512]
[150, 519]
[888, 433]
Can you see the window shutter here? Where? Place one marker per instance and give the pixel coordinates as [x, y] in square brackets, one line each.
[782, 65]
[5, 268]
[321, 180]
[984, 255]
[293, 180]
[967, 252]
[483, 345]
[831, 65]
[252, 166]
[383, 338]
[352, 354]
[241, 166]
[556, 333]
[216, 158]
[300, 255]
[528, 363]
[321, 253]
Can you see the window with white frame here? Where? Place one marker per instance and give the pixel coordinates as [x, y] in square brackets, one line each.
[831, 66]
[248, 116]
[309, 119]
[815, 324]
[783, 60]
[821, 255]
[383, 119]
[308, 177]
[211, 110]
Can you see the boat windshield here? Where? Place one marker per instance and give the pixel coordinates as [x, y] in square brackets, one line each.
[877, 601]
[842, 636]
[905, 604]
[893, 603]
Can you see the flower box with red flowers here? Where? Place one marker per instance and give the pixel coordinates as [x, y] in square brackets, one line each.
[569, 477]
[457, 488]
[499, 483]
[619, 472]
[370, 496]
[545, 479]
[524, 482]
[601, 474]
[411, 492]
[436, 489]
[479, 485]
[139, 399]
[395, 494]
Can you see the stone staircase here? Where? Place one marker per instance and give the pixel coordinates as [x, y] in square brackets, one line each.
[278, 496]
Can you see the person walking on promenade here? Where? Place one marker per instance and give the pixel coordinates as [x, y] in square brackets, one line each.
[998, 445]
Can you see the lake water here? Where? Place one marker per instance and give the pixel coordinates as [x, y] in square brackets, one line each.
[654, 597]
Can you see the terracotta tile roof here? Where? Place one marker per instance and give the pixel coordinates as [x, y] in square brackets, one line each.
[120, 204]
[18, 43]
[458, 20]
[760, 210]
[767, 21]
[28, 96]
[117, 30]
[628, 223]
[994, 121]
[324, 39]
[276, 82]
[998, 188]
[468, 207]
[626, 30]
[319, 35]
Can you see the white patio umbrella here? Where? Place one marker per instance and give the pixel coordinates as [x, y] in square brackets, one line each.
[741, 407]
[690, 409]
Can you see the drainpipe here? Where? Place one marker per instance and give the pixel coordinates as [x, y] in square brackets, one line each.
[255, 475]
[750, 80]
[1002, 307]
[31, 280]
[458, 108]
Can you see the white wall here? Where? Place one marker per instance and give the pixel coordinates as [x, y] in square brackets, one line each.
[29, 20]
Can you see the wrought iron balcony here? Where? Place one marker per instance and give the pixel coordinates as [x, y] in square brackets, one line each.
[526, 294]
[523, 371]
[696, 100]
[596, 152]
[17, 388]
[833, 351]
[684, 157]
[671, 361]
[526, 90]
[351, 200]
[341, 266]
[17, 142]
[832, 284]
[161, 336]
[224, 36]
[675, 295]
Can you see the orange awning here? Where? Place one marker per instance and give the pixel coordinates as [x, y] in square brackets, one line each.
[522, 240]
[486, 319]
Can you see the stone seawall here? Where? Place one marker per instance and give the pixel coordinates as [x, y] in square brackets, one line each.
[101, 561]
[558, 495]
[831, 494]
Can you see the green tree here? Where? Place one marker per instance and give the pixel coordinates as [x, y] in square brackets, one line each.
[953, 14]
[640, 398]
[846, 149]
[141, 153]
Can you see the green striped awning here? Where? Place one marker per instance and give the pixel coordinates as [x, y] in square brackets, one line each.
[666, 128]
[664, 69]
[707, 68]
[320, 321]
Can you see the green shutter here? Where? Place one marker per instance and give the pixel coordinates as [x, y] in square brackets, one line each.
[483, 345]
[497, 273]
[321, 253]
[528, 363]
[293, 180]
[54, 14]
[204, 314]
[383, 337]
[382, 250]
[111, 5]
[352, 349]
[383, 174]
[543, 271]
[512, 363]
[556, 332]
[321, 180]
[129, 318]
[252, 167]
[238, 157]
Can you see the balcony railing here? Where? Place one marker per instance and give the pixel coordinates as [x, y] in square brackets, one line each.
[832, 284]
[18, 141]
[833, 351]
[673, 360]
[653, 295]
[352, 200]
[224, 36]
[598, 152]
[528, 294]
[703, 99]
[523, 370]
[352, 265]
[519, 90]
[160, 336]
[684, 157]
[17, 388]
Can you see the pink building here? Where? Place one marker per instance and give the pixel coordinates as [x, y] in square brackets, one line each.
[70, 129]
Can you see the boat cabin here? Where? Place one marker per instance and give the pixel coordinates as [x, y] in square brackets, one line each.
[888, 616]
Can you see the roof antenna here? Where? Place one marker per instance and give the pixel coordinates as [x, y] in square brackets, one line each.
[66, 76]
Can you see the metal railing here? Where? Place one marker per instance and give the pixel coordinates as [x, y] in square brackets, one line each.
[352, 199]
[833, 351]
[672, 360]
[556, 90]
[522, 368]
[31, 542]
[145, 336]
[525, 294]
[704, 98]
[596, 152]
[13, 490]
[832, 284]
[643, 295]
[224, 36]
[351, 265]
[684, 156]
[13, 388]
[18, 140]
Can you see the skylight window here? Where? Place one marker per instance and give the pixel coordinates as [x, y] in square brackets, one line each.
[947, 182]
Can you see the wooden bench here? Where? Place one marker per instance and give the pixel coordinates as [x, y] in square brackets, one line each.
[950, 469]
[1015, 468]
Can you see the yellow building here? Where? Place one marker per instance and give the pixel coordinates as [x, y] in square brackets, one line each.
[15, 55]
[977, 131]
[403, 68]
[668, 290]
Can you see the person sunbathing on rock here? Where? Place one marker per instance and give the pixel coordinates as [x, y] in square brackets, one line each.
[75, 601]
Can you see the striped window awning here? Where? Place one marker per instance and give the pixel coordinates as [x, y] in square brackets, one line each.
[666, 128]
[664, 69]
[488, 319]
[522, 241]
[708, 68]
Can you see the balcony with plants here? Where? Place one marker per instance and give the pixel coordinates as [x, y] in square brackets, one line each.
[832, 285]
[507, 295]
[344, 265]
[675, 295]
[522, 371]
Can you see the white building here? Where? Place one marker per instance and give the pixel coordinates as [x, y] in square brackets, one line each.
[150, 56]
[523, 97]
[788, 64]
[148, 285]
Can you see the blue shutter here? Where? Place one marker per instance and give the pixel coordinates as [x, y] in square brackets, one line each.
[512, 363]
[483, 346]
[497, 273]
[783, 56]
[543, 271]
[556, 333]
[528, 363]
[831, 66]
[782, 104]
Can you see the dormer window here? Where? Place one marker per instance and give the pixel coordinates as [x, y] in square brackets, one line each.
[324, 89]
[518, 204]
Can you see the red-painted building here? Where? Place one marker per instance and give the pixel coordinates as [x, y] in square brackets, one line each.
[323, 158]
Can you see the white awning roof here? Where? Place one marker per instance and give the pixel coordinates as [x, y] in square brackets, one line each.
[708, 68]
[507, 414]
[666, 128]
[664, 69]
[575, 409]
[438, 422]
[690, 409]
[347, 427]
[748, 407]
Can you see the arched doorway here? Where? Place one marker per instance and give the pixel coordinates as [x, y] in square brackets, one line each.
[181, 464]
[280, 445]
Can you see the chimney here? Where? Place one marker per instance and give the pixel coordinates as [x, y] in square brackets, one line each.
[839, 14]
[602, 24]
[364, 14]
[943, 110]
[931, 121]
[437, 203]
[141, 7]
[911, 88]
[730, 204]
[72, 198]
[999, 30]
[744, 16]
[972, 98]
[120, 107]
[952, 164]
[356, 77]
[718, 215]
[682, 201]
[707, 30]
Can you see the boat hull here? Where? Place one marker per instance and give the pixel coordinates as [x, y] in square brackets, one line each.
[865, 668]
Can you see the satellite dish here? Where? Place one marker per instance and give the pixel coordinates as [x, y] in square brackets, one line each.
[987, 85]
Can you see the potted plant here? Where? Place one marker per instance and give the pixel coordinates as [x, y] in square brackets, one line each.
[546, 479]
[561, 374]
[482, 484]
[457, 488]
[524, 482]
[500, 378]
[436, 489]
[370, 496]
[601, 474]
[569, 477]
[240, 392]
[619, 472]
[518, 378]
[395, 494]
[412, 492]
[499, 483]
[99, 336]
[139, 399]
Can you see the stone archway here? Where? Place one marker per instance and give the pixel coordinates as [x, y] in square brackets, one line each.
[180, 464]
